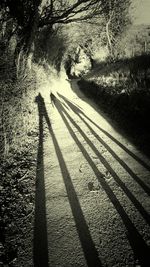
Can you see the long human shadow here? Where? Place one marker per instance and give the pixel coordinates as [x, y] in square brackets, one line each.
[129, 152]
[140, 248]
[90, 252]
[40, 242]
[136, 203]
[122, 163]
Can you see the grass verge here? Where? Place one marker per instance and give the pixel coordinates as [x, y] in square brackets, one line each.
[19, 138]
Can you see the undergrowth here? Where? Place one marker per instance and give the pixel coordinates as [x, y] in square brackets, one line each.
[19, 137]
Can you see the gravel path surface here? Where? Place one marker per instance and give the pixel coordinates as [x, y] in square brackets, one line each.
[92, 200]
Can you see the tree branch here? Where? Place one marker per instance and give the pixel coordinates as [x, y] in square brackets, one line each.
[81, 6]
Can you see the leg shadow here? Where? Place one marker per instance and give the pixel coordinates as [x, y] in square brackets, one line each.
[113, 173]
[140, 248]
[88, 246]
[122, 163]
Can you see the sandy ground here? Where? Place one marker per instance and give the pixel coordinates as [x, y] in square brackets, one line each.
[92, 197]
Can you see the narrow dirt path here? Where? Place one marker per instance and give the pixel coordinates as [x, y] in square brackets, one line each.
[93, 187]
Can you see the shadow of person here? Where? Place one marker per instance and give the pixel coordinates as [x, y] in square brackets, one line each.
[40, 241]
[40, 101]
[42, 109]
[52, 99]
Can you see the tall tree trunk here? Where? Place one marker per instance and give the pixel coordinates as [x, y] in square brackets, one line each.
[108, 33]
[109, 44]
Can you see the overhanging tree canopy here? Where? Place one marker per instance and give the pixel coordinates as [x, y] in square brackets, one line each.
[31, 16]
[60, 11]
